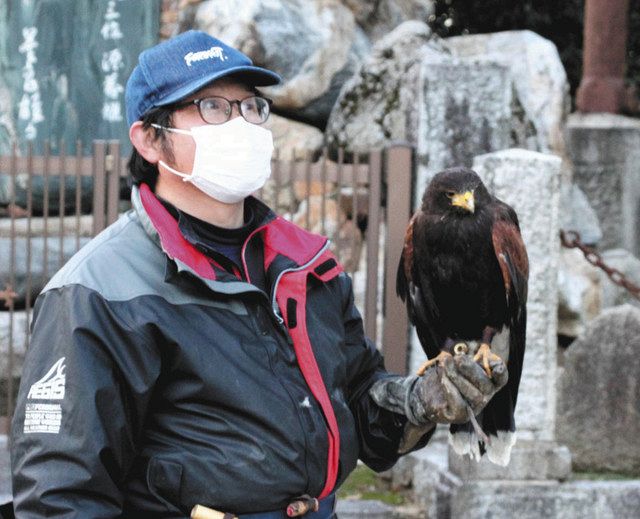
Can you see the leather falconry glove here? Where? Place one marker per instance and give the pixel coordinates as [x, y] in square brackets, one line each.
[441, 395]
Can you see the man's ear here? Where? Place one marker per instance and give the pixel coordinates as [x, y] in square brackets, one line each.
[143, 140]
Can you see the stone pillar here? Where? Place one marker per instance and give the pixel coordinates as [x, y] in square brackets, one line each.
[530, 183]
[602, 87]
[458, 123]
[605, 151]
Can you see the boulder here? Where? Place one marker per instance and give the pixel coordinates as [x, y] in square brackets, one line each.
[293, 139]
[13, 330]
[53, 226]
[346, 238]
[598, 415]
[578, 215]
[579, 293]
[380, 103]
[315, 45]
[629, 265]
[381, 17]
[52, 185]
[538, 75]
[44, 257]
[403, 92]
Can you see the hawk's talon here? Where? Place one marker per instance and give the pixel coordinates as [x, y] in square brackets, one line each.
[485, 354]
[431, 362]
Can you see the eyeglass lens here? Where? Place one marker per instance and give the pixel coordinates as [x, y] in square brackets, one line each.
[217, 110]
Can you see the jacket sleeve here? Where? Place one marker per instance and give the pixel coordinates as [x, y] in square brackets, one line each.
[379, 430]
[86, 383]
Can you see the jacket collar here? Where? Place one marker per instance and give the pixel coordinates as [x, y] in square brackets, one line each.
[282, 239]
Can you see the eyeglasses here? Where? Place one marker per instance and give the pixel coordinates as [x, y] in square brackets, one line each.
[217, 110]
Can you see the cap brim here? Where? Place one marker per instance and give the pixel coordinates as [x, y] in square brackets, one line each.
[256, 76]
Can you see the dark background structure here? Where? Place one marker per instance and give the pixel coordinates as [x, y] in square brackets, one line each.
[561, 22]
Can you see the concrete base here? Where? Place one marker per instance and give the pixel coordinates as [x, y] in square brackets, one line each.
[446, 486]
[536, 499]
[530, 460]
[5, 471]
[427, 473]
[367, 509]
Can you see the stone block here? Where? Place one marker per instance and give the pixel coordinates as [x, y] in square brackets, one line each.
[605, 150]
[456, 124]
[598, 395]
[578, 215]
[536, 499]
[539, 78]
[580, 287]
[629, 265]
[530, 182]
[364, 509]
[530, 460]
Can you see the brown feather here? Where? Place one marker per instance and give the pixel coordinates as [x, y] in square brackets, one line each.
[407, 251]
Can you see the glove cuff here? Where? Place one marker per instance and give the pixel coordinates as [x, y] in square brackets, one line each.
[395, 394]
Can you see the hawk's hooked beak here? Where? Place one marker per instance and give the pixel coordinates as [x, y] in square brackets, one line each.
[464, 200]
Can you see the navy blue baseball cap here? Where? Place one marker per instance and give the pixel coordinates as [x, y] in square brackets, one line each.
[176, 68]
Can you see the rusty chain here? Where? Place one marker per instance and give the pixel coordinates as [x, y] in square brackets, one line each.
[571, 240]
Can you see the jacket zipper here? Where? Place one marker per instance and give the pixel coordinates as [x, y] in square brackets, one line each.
[244, 248]
[274, 304]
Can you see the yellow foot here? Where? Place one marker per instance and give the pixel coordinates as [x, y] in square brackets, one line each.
[485, 354]
[439, 358]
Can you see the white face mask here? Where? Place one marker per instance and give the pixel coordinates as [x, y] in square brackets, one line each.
[232, 160]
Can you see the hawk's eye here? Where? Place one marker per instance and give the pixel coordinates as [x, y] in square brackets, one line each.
[450, 194]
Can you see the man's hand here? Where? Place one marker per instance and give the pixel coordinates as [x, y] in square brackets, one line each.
[442, 393]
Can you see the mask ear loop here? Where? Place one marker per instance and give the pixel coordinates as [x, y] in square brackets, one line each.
[184, 176]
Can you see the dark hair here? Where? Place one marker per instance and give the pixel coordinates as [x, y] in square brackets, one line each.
[140, 169]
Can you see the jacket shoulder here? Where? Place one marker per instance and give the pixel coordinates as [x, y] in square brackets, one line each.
[114, 263]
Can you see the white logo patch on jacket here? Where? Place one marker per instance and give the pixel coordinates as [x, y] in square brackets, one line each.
[46, 417]
[51, 386]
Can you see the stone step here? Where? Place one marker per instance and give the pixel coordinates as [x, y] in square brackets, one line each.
[372, 509]
[5, 471]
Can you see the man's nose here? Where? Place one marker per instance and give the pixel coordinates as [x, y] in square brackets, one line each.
[235, 109]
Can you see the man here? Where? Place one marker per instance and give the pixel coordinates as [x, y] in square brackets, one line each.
[202, 350]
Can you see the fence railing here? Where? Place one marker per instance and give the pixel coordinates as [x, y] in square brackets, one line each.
[50, 206]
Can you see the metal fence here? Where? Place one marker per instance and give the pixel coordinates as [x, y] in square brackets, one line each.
[51, 205]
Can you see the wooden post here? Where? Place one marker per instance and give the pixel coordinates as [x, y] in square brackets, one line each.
[399, 178]
[602, 87]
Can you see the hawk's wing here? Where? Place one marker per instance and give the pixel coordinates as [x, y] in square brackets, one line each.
[514, 265]
[416, 292]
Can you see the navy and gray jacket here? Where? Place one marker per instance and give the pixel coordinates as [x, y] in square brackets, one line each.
[156, 380]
